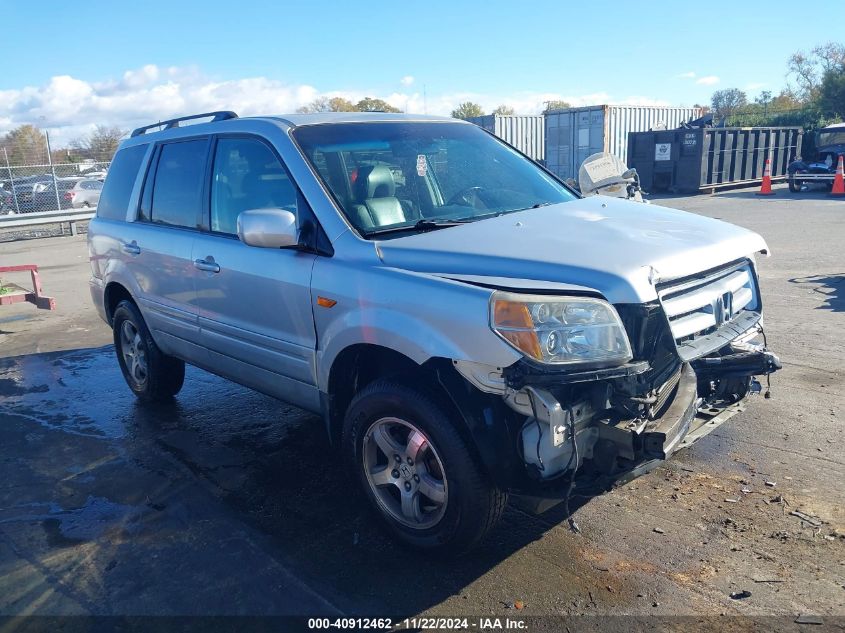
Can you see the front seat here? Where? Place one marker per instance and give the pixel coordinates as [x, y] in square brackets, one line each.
[377, 204]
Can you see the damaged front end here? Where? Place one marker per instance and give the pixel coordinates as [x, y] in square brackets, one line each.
[696, 356]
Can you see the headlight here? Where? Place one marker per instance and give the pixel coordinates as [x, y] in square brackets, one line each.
[560, 330]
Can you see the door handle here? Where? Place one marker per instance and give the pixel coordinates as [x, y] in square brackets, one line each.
[132, 249]
[207, 266]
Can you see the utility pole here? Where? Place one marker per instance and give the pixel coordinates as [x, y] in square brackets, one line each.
[53, 171]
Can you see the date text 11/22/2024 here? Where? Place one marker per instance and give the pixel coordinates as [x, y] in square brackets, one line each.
[421, 623]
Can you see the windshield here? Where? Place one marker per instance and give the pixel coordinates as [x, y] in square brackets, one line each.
[831, 138]
[403, 176]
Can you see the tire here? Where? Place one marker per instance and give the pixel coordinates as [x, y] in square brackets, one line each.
[795, 184]
[445, 468]
[154, 377]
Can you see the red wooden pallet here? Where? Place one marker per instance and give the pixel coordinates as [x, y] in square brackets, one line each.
[18, 294]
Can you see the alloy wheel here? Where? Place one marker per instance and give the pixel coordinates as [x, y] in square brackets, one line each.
[405, 473]
[133, 351]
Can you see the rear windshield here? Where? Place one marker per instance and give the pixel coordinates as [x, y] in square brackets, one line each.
[408, 175]
[114, 200]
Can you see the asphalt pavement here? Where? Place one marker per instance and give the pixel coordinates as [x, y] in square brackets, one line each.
[229, 502]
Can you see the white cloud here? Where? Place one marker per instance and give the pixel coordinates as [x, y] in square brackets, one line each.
[709, 80]
[70, 107]
[687, 75]
[407, 80]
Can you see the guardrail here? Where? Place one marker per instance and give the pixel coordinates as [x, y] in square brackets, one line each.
[65, 216]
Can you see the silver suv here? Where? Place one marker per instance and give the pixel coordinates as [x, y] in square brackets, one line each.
[466, 325]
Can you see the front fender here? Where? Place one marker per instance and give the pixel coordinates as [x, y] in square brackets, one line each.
[417, 315]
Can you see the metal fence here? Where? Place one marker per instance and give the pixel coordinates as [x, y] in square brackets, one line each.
[50, 186]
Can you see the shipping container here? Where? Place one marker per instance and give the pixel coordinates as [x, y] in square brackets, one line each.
[691, 160]
[573, 134]
[525, 132]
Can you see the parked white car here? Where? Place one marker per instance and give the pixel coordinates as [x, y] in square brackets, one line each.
[85, 193]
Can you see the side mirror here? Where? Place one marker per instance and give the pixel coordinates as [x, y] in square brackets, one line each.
[571, 183]
[268, 228]
[627, 175]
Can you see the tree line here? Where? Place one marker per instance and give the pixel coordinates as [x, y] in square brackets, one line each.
[471, 110]
[813, 97]
[465, 110]
[339, 104]
[27, 145]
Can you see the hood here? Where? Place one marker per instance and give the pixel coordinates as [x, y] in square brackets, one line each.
[616, 247]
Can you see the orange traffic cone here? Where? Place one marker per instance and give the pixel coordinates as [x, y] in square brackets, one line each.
[766, 187]
[838, 180]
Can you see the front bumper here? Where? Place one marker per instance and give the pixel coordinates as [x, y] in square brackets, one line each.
[626, 448]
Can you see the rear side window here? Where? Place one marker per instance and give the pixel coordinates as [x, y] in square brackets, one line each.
[178, 185]
[114, 200]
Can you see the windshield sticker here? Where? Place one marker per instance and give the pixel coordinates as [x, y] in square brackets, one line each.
[422, 165]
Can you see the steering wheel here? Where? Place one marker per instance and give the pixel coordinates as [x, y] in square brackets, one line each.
[468, 197]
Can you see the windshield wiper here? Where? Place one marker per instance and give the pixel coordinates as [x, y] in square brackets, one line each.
[420, 225]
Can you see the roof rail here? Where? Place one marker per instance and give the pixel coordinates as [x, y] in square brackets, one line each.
[220, 115]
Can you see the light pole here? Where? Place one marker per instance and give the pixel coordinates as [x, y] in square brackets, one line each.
[52, 168]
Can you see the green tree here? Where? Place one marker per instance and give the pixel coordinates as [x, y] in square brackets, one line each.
[726, 102]
[101, 144]
[326, 104]
[339, 104]
[26, 145]
[467, 110]
[786, 100]
[832, 93]
[764, 98]
[504, 110]
[556, 104]
[809, 69]
[369, 104]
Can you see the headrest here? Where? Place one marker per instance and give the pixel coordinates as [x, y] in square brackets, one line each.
[376, 182]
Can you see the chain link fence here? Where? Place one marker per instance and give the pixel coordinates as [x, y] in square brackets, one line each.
[37, 176]
[51, 186]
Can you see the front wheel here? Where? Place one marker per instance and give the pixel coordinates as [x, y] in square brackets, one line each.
[417, 471]
[150, 374]
[795, 183]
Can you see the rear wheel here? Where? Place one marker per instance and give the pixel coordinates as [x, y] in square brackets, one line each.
[417, 471]
[150, 374]
[795, 183]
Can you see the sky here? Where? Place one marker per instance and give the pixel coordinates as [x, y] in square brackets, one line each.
[68, 67]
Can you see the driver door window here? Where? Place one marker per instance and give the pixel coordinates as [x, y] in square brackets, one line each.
[247, 175]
